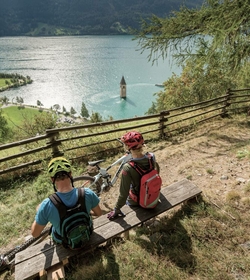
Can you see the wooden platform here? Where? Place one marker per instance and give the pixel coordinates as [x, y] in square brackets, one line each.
[41, 257]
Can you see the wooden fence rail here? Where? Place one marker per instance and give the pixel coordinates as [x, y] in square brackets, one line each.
[88, 141]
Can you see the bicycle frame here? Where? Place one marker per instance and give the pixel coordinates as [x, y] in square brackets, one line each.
[103, 172]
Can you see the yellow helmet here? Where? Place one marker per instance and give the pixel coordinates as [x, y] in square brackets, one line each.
[58, 164]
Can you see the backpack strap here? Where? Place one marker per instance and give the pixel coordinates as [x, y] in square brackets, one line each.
[62, 208]
[139, 169]
[81, 199]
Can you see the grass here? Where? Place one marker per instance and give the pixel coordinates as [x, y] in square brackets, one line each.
[197, 241]
[194, 241]
[15, 115]
[243, 153]
[2, 82]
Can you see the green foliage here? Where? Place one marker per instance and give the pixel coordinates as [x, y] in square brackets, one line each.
[211, 44]
[84, 111]
[72, 111]
[196, 242]
[37, 125]
[5, 131]
[19, 100]
[28, 122]
[4, 100]
[197, 82]
[13, 80]
[39, 103]
[221, 26]
[56, 107]
[95, 117]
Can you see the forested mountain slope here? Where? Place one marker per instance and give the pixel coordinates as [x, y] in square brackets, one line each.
[64, 17]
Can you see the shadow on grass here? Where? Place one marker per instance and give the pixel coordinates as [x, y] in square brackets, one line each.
[7, 181]
[169, 237]
[93, 266]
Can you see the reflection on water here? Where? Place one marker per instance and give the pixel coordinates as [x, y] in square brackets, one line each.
[71, 70]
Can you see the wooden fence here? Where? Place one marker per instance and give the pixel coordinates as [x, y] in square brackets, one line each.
[92, 141]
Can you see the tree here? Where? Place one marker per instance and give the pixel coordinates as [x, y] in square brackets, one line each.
[5, 100]
[95, 117]
[219, 27]
[19, 100]
[152, 109]
[39, 103]
[84, 111]
[64, 110]
[56, 107]
[37, 125]
[211, 44]
[5, 131]
[72, 111]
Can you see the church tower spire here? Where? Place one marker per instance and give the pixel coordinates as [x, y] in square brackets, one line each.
[123, 88]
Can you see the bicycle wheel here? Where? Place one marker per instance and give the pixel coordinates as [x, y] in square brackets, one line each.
[87, 182]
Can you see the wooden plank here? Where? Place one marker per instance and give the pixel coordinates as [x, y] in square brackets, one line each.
[42, 256]
[56, 272]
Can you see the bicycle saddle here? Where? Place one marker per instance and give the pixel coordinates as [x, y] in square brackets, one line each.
[94, 163]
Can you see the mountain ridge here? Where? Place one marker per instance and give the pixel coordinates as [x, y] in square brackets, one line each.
[81, 17]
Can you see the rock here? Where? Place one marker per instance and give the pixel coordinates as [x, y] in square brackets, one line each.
[240, 180]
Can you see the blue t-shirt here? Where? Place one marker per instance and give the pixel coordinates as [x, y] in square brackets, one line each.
[47, 211]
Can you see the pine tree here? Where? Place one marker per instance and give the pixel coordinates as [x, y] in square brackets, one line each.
[84, 111]
[218, 27]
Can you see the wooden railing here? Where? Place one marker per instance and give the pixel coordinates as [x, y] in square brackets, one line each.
[92, 141]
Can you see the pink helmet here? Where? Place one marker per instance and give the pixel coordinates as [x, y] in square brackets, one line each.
[132, 139]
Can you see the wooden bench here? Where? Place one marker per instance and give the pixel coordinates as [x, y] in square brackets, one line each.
[45, 257]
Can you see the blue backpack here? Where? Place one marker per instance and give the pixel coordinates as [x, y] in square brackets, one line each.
[75, 223]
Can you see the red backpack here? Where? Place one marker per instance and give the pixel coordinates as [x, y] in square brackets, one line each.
[150, 185]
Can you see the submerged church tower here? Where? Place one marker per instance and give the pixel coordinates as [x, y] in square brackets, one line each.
[123, 88]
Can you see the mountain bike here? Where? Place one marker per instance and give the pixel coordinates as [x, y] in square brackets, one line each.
[102, 181]
[98, 183]
[7, 260]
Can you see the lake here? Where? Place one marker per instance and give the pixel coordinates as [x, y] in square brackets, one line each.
[71, 70]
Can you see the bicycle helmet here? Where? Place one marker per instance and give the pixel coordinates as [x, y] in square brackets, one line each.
[58, 164]
[132, 139]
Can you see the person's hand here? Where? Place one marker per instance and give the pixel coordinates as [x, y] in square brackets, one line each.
[115, 213]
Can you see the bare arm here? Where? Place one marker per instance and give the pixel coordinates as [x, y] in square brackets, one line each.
[36, 229]
[97, 210]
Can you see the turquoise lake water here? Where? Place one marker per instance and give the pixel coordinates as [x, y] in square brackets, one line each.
[71, 70]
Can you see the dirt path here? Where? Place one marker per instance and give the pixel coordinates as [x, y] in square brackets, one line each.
[215, 157]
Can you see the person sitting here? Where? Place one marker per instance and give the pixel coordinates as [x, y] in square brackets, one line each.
[59, 170]
[130, 179]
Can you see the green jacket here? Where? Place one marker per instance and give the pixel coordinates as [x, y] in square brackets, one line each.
[131, 179]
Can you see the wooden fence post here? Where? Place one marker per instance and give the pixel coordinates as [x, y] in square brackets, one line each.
[162, 126]
[224, 112]
[52, 136]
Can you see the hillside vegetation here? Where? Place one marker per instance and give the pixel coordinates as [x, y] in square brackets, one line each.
[206, 239]
[78, 17]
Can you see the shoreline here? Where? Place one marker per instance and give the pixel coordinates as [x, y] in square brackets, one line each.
[62, 118]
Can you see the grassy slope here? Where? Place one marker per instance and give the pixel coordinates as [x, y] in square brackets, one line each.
[2, 82]
[203, 240]
[15, 114]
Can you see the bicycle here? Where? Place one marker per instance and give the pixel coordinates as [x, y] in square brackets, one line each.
[93, 182]
[7, 260]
